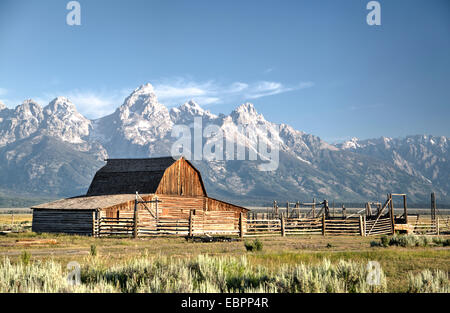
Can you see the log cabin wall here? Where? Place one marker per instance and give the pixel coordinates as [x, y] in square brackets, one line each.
[63, 221]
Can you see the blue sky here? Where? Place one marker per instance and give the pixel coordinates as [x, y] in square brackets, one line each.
[315, 65]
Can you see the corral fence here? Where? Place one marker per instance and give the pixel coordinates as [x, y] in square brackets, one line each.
[197, 222]
[426, 225]
[356, 226]
[226, 223]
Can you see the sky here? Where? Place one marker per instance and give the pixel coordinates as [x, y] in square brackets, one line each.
[316, 65]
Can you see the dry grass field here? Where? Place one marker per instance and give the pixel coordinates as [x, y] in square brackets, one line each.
[396, 262]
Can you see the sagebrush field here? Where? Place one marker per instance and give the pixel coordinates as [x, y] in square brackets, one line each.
[38, 263]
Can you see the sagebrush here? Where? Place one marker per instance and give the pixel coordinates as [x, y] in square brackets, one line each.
[201, 274]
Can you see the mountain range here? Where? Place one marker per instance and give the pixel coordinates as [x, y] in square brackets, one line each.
[54, 151]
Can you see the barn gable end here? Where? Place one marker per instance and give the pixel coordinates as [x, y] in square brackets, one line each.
[182, 179]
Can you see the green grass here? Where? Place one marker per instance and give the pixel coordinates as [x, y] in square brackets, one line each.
[255, 245]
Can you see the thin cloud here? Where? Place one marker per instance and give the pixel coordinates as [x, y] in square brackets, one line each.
[264, 89]
[211, 92]
[98, 103]
[92, 104]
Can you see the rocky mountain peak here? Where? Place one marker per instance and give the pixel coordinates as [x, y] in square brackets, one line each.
[350, 144]
[246, 114]
[187, 111]
[2, 106]
[142, 101]
[29, 108]
[141, 119]
[62, 120]
[60, 105]
[192, 107]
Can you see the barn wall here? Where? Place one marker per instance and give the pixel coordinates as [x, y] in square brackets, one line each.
[217, 205]
[208, 215]
[181, 179]
[63, 221]
[215, 222]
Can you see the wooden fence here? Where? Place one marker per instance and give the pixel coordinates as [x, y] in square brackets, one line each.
[303, 226]
[350, 226]
[198, 222]
[110, 226]
[357, 226]
[425, 225]
[226, 223]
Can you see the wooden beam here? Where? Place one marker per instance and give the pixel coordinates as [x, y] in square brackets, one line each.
[190, 223]
[135, 217]
[323, 224]
[241, 225]
[405, 209]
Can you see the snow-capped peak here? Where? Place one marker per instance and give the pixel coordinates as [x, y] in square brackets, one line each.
[23, 121]
[350, 144]
[2, 106]
[246, 114]
[141, 101]
[60, 104]
[191, 106]
[187, 111]
[247, 107]
[144, 89]
[29, 108]
[62, 120]
[141, 118]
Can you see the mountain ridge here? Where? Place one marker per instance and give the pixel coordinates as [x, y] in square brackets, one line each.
[356, 170]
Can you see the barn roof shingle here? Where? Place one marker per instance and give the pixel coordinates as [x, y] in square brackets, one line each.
[126, 176]
[87, 203]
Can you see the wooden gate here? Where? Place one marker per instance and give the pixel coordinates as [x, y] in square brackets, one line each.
[380, 226]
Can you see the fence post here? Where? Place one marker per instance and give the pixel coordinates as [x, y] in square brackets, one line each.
[361, 226]
[323, 224]
[190, 223]
[437, 225]
[391, 210]
[314, 208]
[135, 217]
[283, 231]
[241, 225]
[365, 227]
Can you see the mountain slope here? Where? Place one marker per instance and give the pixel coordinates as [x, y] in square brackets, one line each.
[426, 157]
[55, 151]
[44, 165]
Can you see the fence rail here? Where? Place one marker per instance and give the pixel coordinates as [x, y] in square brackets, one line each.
[230, 225]
[355, 226]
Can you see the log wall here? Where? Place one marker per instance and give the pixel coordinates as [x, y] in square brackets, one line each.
[63, 221]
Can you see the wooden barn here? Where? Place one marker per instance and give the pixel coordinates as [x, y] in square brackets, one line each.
[142, 197]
